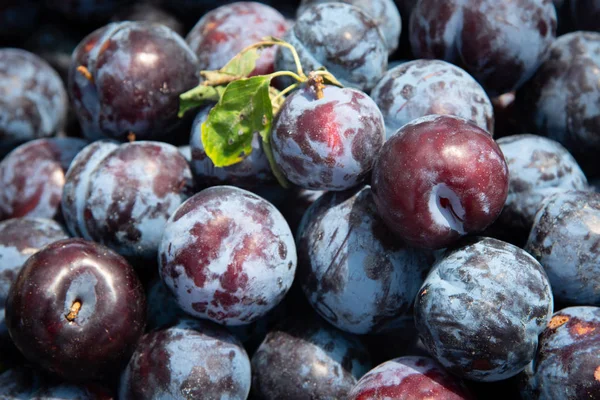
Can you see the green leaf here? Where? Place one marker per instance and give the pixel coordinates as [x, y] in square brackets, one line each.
[199, 96]
[237, 68]
[244, 108]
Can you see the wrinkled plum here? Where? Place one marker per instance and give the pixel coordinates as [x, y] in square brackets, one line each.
[228, 255]
[33, 99]
[383, 12]
[481, 309]
[567, 365]
[222, 33]
[122, 195]
[32, 177]
[76, 309]
[439, 178]
[328, 143]
[307, 359]
[561, 100]
[86, 10]
[565, 239]
[126, 78]
[418, 88]
[538, 167]
[500, 43]
[191, 360]
[341, 38]
[409, 377]
[353, 271]
[251, 172]
[148, 12]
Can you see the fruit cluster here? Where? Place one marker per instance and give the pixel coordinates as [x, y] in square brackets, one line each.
[310, 199]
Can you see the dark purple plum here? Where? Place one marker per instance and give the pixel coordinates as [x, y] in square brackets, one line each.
[86, 10]
[18, 18]
[191, 360]
[418, 88]
[223, 32]
[538, 167]
[126, 78]
[148, 12]
[252, 172]
[20, 383]
[438, 178]
[561, 100]
[77, 309]
[481, 309]
[408, 378]
[353, 271]
[328, 143]
[33, 99]
[341, 38]
[306, 358]
[565, 239]
[122, 195]
[567, 365]
[32, 177]
[500, 44]
[227, 255]
[383, 12]
[585, 14]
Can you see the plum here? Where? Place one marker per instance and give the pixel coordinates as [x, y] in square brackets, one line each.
[501, 44]
[567, 365]
[438, 178]
[352, 270]
[409, 377]
[565, 239]
[191, 360]
[122, 195]
[341, 38]
[481, 309]
[383, 12]
[561, 100]
[33, 99]
[32, 177]
[418, 88]
[327, 143]
[223, 32]
[227, 255]
[305, 358]
[125, 79]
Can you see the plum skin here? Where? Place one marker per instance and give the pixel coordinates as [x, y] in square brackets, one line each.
[439, 178]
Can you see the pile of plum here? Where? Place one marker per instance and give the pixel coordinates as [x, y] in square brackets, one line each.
[439, 237]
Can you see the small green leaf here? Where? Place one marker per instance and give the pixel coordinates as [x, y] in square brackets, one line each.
[244, 108]
[198, 96]
[242, 64]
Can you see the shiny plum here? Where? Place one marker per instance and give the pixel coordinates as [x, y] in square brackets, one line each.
[76, 309]
[565, 239]
[122, 195]
[341, 38]
[353, 271]
[190, 360]
[126, 78]
[439, 178]
[227, 255]
[481, 309]
[327, 143]
[418, 88]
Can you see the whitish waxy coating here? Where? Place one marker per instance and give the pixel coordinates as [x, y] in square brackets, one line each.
[307, 359]
[341, 38]
[481, 309]
[191, 360]
[228, 255]
[565, 238]
[409, 377]
[422, 87]
[122, 196]
[353, 271]
[538, 167]
[33, 99]
[383, 12]
[327, 144]
[567, 365]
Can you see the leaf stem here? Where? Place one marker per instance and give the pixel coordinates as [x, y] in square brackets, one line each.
[269, 41]
[286, 91]
[287, 73]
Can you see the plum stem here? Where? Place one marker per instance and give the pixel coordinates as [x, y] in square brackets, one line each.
[86, 73]
[131, 137]
[75, 307]
[316, 83]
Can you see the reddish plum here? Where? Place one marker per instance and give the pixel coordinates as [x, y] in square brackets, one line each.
[439, 178]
